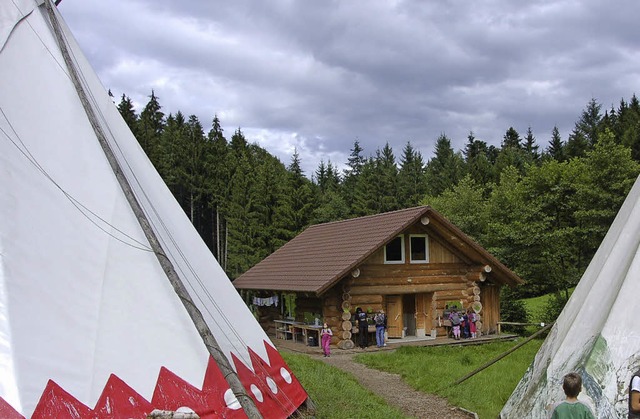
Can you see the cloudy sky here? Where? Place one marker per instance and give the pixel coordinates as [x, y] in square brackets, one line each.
[317, 75]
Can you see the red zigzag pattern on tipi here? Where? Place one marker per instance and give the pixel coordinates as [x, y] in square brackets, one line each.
[273, 387]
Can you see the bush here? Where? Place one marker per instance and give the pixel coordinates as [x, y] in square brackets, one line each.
[512, 310]
[553, 307]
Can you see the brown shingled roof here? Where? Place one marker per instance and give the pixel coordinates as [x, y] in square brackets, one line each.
[322, 254]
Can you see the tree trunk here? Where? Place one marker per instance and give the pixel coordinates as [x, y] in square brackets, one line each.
[217, 230]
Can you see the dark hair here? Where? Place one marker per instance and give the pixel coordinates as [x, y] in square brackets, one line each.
[358, 309]
[572, 384]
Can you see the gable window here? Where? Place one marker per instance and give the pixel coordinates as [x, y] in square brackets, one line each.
[394, 251]
[419, 246]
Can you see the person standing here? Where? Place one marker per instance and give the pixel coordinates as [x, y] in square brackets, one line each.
[472, 322]
[380, 320]
[634, 396]
[325, 338]
[571, 407]
[454, 317]
[363, 328]
[464, 325]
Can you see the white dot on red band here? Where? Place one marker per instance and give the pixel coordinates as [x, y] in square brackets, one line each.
[231, 401]
[285, 374]
[256, 392]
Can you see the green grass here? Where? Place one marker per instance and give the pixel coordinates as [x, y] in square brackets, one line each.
[336, 394]
[536, 308]
[434, 369]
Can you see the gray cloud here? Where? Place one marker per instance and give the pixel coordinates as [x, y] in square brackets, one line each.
[317, 75]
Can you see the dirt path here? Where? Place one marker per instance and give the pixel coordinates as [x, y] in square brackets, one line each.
[395, 391]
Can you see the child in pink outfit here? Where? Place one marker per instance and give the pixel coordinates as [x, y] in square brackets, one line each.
[473, 317]
[325, 338]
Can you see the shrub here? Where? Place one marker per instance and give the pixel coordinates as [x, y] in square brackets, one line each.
[553, 307]
[512, 310]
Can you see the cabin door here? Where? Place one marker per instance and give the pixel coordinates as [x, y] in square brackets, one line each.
[424, 315]
[409, 314]
[394, 316]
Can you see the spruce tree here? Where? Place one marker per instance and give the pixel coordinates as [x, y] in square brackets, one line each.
[585, 132]
[128, 113]
[195, 181]
[386, 180]
[444, 170]
[301, 195]
[476, 159]
[530, 146]
[218, 174]
[411, 177]
[556, 147]
[628, 127]
[150, 126]
[170, 155]
[351, 176]
[512, 153]
[511, 139]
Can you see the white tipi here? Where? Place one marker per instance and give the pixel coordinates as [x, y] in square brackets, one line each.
[597, 334]
[103, 279]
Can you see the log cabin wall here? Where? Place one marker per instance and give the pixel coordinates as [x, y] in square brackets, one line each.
[266, 315]
[446, 277]
[332, 313]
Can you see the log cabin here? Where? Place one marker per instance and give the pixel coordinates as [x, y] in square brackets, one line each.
[413, 263]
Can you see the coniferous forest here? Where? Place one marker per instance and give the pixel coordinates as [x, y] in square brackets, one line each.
[540, 203]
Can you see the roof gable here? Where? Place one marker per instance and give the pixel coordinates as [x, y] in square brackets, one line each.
[323, 254]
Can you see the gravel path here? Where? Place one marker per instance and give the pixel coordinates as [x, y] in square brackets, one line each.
[396, 392]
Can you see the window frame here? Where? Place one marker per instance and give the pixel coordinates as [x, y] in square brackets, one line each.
[426, 248]
[402, 251]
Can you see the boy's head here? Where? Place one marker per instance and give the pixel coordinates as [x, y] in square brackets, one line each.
[572, 384]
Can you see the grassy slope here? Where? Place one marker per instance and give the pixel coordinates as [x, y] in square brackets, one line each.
[429, 369]
[535, 307]
[434, 369]
[337, 394]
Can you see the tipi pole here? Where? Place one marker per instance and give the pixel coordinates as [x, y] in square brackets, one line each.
[210, 342]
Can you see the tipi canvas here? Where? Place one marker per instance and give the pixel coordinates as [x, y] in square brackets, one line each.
[91, 323]
[597, 334]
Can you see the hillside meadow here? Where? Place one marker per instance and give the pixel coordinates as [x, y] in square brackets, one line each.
[428, 369]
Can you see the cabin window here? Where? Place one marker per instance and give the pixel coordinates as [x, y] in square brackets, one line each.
[394, 251]
[419, 244]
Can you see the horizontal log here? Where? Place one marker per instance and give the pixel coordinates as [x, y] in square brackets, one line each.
[366, 299]
[418, 267]
[449, 294]
[332, 315]
[404, 289]
[416, 279]
[476, 276]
